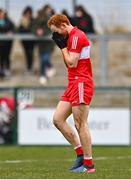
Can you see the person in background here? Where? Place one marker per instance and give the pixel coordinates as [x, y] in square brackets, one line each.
[7, 113]
[25, 27]
[6, 119]
[6, 27]
[45, 47]
[65, 12]
[83, 20]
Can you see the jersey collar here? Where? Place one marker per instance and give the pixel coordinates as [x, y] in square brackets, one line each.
[73, 30]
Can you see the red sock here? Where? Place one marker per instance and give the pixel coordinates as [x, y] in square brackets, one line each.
[88, 162]
[79, 151]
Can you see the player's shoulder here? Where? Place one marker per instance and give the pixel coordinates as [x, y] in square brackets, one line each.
[77, 37]
[78, 33]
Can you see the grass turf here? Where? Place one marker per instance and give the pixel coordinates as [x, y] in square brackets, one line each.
[53, 162]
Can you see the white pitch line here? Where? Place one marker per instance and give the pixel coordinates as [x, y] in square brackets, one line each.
[112, 158]
[107, 158]
[16, 161]
[97, 159]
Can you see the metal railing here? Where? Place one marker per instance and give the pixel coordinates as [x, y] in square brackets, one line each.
[104, 39]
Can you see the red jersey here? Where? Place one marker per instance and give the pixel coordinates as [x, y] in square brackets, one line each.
[80, 87]
[79, 43]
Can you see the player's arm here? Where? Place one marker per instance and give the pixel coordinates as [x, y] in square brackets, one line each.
[70, 58]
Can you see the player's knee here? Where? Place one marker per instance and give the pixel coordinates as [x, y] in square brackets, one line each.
[79, 126]
[56, 121]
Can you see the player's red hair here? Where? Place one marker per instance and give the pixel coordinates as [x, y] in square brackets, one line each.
[57, 20]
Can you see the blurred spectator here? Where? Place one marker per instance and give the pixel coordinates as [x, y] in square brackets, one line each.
[45, 47]
[25, 27]
[6, 27]
[83, 20]
[64, 11]
[6, 118]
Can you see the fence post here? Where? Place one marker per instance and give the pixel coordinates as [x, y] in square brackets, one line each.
[15, 116]
[74, 5]
[7, 6]
[103, 60]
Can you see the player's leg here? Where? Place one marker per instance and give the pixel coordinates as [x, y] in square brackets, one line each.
[80, 114]
[62, 112]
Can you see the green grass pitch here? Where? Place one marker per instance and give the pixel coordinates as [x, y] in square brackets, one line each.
[40, 162]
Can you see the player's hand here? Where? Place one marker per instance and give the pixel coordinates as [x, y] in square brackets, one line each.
[60, 41]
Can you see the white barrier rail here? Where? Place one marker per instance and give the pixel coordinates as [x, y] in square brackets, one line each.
[104, 39]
